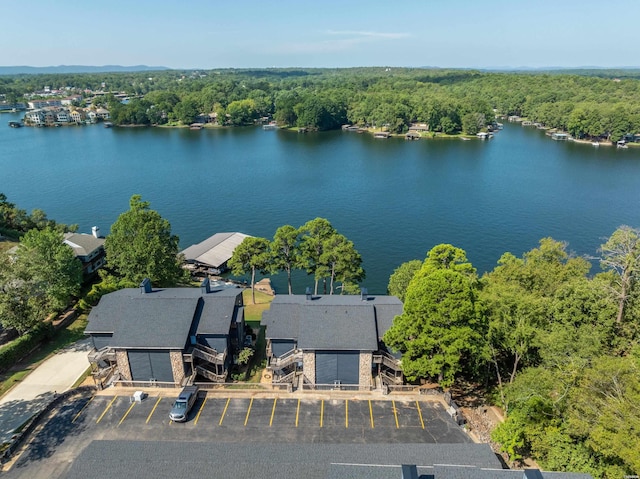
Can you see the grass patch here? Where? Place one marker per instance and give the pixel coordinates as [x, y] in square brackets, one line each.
[82, 378]
[253, 312]
[255, 373]
[10, 379]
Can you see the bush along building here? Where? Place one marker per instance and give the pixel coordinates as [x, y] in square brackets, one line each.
[331, 342]
[169, 335]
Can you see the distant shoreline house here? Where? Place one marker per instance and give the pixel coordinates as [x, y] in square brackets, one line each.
[168, 335]
[335, 341]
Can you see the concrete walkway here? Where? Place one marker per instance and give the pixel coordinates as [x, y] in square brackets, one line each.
[56, 374]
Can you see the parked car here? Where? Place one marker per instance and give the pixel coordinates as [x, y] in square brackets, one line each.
[181, 407]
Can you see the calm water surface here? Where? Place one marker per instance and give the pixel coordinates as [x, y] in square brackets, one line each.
[394, 199]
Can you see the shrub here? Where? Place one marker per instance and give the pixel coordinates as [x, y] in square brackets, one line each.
[21, 346]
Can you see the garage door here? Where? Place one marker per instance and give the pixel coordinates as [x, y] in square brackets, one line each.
[147, 365]
[342, 366]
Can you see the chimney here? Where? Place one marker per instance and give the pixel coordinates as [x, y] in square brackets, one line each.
[95, 231]
[145, 286]
[205, 286]
[308, 293]
[363, 294]
[409, 471]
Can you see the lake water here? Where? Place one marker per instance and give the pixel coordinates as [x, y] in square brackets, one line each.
[394, 199]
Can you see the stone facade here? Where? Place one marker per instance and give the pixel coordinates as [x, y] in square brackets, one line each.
[177, 366]
[366, 360]
[123, 364]
[309, 366]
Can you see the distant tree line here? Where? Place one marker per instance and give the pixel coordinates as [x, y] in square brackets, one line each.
[558, 348]
[592, 104]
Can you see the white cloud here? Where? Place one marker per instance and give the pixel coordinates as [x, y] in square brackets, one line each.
[367, 34]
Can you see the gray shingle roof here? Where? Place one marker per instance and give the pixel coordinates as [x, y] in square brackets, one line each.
[163, 318]
[332, 322]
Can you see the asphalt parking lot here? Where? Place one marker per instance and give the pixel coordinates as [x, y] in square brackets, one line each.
[217, 417]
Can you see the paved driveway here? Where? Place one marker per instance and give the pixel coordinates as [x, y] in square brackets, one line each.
[56, 374]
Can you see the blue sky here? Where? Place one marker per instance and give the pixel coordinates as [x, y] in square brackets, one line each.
[347, 33]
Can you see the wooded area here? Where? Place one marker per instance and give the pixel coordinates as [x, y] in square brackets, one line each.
[600, 104]
[556, 347]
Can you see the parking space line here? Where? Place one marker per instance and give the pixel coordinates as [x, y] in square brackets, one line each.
[106, 409]
[224, 412]
[297, 412]
[273, 411]
[248, 412]
[420, 414]
[195, 423]
[371, 414]
[346, 413]
[395, 413]
[127, 413]
[153, 410]
[321, 412]
[81, 410]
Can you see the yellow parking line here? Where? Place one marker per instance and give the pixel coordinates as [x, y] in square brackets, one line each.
[106, 409]
[127, 413]
[420, 414]
[248, 411]
[395, 413]
[346, 413]
[81, 410]
[195, 423]
[224, 412]
[273, 411]
[152, 411]
[371, 414]
[297, 412]
[321, 412]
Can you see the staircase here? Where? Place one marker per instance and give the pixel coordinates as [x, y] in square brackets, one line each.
[105, 354]
[211, 375]
[287, 359]
[390, 368]
[208, 354]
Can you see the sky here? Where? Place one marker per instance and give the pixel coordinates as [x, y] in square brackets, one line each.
[201, 34]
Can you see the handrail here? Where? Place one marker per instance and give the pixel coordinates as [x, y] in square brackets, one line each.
[387, 360]
[286, 359]
[208, 354]
[211, 375]
[285, 379]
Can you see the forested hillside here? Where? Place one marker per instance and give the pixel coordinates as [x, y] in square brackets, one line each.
[556, 346]
[598, 104]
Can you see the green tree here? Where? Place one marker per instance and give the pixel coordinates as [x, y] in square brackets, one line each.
[401, 277]
[251, 255]
[314, 234]
[40, 278]
[340, 261]
[442, 326]
[141, 245]
[285, 255]
[621, 255]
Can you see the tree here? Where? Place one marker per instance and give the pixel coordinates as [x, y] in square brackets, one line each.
[621, 254]
[442, 326]
[401, 277]
[51, 265]
[340, 260]
[314, 233]
[250, 255]
[42, 277]
[285, 255]
[141, 245]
